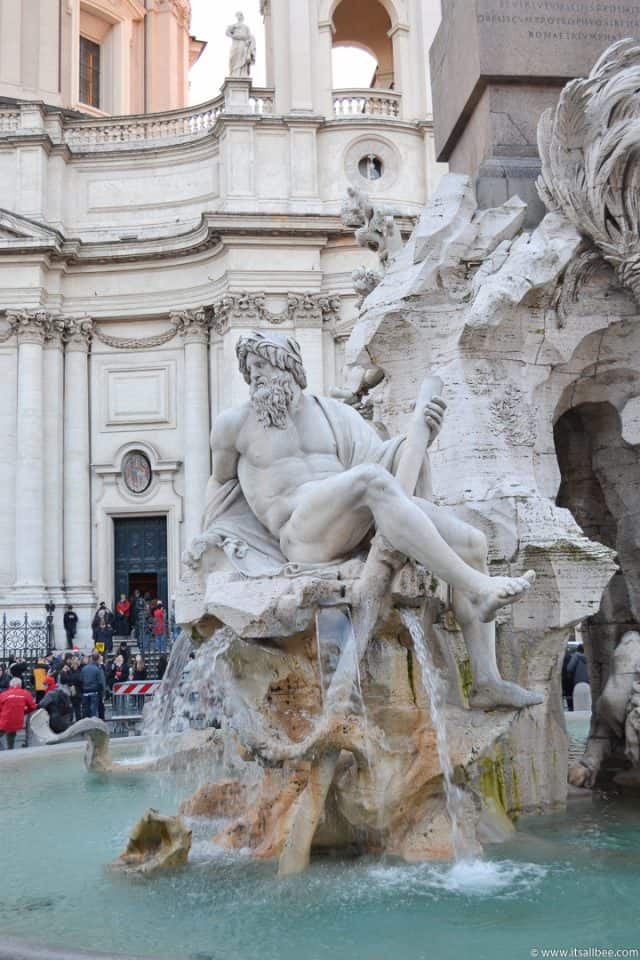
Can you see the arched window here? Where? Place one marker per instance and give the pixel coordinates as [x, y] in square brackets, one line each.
[363, 50]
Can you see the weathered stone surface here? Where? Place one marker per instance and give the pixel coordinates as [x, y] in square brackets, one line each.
[156, 843]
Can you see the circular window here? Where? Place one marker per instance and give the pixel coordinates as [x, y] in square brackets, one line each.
[136, 472]
[370, 167]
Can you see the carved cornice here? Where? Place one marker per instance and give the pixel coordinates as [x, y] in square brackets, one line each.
[181, 9]
[192, 324]
[246, 309]
[234, 309]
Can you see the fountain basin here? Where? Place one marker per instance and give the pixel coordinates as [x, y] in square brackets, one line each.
[61, 827]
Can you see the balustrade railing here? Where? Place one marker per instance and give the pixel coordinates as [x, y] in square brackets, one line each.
[368, 102]
[9, 120]
[192, 122]
[175, 125]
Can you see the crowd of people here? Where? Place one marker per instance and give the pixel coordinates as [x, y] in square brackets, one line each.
[69, 687]
[139, 616]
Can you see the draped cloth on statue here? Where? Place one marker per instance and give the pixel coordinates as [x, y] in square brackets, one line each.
[230, 524]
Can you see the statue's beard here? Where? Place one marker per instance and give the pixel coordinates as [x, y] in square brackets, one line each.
[272, 403]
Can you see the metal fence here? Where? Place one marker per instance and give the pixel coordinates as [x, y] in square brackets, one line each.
[22, 637]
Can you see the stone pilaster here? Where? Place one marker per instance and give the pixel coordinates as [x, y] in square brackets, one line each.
[30, 328]
[77, 485]
[196, 417]
[53, 449]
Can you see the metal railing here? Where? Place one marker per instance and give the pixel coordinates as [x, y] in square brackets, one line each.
[366, 102]
[26, 638]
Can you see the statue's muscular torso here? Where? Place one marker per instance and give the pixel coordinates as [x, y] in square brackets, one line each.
[272, 465]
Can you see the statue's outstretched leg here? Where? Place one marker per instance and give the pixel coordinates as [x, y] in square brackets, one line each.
[332, 516]
[489, 689]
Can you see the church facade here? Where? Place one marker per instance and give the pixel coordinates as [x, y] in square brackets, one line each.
[135, 247]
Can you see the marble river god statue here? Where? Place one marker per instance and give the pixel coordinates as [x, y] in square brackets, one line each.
[301, 480]
[316, 572]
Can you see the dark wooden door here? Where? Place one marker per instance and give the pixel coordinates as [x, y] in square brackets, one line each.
[140, 548]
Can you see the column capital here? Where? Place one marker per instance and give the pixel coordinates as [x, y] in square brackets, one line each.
[54, 333]
[77, 333]
[192, 324]
[30, 326]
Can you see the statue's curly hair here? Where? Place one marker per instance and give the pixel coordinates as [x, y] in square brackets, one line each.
[279, 350]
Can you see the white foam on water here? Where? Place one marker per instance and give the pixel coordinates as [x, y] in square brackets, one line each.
[469, 878]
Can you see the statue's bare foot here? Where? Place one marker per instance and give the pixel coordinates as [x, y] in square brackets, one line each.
[581, 775]
[500, 592]
[502, 693]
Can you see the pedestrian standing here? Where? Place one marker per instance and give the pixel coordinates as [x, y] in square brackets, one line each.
[15, 703]
[70, 623]
[93, 686]
[123, 617]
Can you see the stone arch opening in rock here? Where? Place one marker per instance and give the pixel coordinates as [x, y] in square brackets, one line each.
[600, 474]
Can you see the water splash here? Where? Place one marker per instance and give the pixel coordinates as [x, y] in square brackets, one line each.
[189, 696]
[476, 878]
[435, 688]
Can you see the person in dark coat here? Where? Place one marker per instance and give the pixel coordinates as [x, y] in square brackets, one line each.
[577, 669]
[93, 686]
[18, 668]
[73, 680]
[5, 678]
[102, 627]
[70, 623]
[58, 705]
[567, 688]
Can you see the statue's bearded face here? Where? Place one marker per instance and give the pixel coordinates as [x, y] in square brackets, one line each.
[272, 392]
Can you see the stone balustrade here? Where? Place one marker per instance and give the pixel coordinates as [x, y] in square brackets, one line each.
[113, 132]
[108, 133]
[9, 121]
[366, 102]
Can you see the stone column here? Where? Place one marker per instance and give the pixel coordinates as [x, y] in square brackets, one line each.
[53, 446]
[77, 459]
[197, 419]
[29, 504]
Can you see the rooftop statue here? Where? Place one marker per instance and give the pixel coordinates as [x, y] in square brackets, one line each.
[243, 48]
[301, 481]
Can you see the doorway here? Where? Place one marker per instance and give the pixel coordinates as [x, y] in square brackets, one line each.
[140, 552]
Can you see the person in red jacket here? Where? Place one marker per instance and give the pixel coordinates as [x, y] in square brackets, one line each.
[14, 704]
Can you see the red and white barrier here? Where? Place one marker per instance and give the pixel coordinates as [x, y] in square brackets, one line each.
[135, 688]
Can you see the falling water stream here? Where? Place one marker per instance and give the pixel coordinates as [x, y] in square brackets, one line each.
[435, 688]
[189, 692]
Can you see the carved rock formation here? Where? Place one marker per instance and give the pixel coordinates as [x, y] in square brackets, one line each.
[155, 843]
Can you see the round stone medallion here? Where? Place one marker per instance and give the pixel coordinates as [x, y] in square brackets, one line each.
[136, 472]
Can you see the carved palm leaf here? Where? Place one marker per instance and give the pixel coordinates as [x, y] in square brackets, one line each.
[590, 151]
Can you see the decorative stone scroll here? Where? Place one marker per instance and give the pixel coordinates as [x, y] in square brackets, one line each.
[242, 308]
[247, 309]
[589, 148]
[139, 343]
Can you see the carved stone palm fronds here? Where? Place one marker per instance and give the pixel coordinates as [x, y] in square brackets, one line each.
[590, 150]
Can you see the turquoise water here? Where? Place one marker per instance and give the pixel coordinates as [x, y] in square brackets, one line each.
[564, 881]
